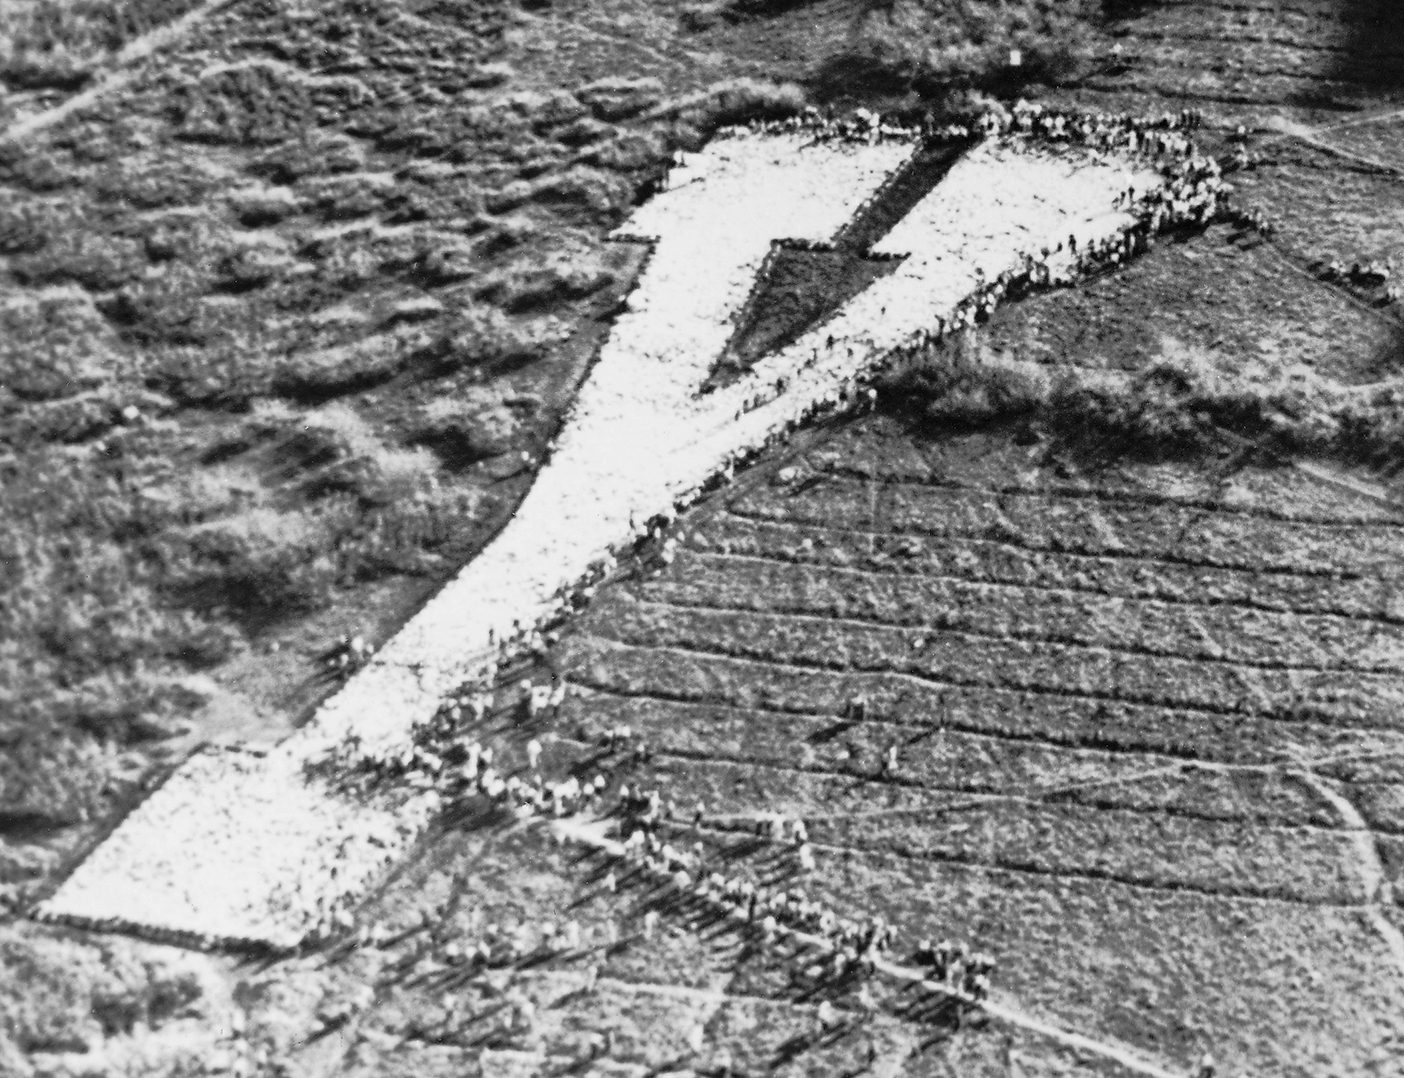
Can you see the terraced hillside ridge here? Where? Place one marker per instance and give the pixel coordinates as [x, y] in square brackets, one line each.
[1145, 723]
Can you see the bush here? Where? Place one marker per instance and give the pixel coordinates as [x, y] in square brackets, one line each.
[95, 261]
[619, 98]
[256, 575]
[24, 227]
[160, 309]
[240, 106]
[53, 780]
[462, 433]
[53, 347]
[1180, 406]
[699, 17]
[740, 100]
[316, 377]
[632, 151]
[537, 281]
[482, 338]
[963, 394]
[933, 47]
[56, 44]
[77, 992]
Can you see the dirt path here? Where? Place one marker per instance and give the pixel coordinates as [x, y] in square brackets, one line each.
[1350, 155]
[1371, 868]
[1041, 794]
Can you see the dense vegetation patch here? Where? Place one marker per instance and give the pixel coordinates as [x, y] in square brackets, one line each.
[58, 43]
[1179, 405]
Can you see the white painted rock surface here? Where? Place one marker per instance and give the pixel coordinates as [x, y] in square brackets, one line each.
[244, 848]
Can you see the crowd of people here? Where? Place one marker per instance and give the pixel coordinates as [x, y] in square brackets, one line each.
[1162, 134]
[347, 654]
[1371, 273]
[1192, 194]
[951, 962]
[643, 836]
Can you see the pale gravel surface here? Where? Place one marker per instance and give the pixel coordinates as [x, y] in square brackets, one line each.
[243, 848]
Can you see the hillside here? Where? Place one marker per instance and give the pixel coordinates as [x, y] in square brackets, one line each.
[293, 298]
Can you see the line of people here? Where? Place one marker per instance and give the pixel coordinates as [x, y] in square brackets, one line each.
[463, 767]
[1192, 194]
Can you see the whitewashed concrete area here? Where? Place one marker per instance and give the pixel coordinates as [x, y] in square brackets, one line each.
[244, 848]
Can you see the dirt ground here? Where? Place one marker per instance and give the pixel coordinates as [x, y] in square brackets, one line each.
[1094, 776]
[347, 265]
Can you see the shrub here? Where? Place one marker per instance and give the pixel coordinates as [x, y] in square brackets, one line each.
[253, 104]
[537, 281]
[1180, 406]
[250, 568]
[968, 395]
[78, 991]
[53, 346]
[739, 100]
[932, 47]
[314, 377]
[462, 433]
[225, 375]
[52, 779]
[619, 98]
[24, 227]
[160, 309]
[632, 151]
[482, 338]
[98, 262]
[702, 16]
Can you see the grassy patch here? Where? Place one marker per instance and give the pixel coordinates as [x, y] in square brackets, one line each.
[932, 48]
[56, 44]
[1178, 404]
[77, 994]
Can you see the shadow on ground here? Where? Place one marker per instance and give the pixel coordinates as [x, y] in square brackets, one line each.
[1374, 55]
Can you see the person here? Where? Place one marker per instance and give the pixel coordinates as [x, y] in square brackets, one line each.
[534, 754]
[941, 958]
[525, 1015]
[650, 924]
